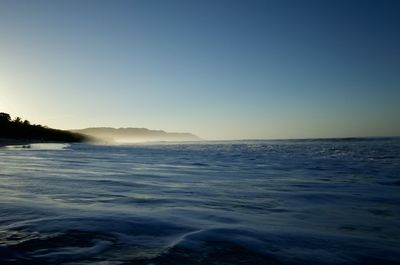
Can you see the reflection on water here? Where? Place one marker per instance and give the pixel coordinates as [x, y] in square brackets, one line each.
[254, 202]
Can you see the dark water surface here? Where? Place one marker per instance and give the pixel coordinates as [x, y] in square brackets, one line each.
[254, 202]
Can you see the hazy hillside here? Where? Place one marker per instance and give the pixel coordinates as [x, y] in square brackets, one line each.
[135, 135]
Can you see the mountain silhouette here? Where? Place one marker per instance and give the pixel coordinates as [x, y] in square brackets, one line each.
[135, 134]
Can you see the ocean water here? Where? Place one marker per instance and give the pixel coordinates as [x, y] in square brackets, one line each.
[245, 202]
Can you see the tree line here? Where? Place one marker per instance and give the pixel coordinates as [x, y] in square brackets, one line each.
[24, 130]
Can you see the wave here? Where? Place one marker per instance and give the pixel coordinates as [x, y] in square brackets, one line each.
[321, 202]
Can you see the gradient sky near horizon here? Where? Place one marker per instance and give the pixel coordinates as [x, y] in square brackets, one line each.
[219, 69]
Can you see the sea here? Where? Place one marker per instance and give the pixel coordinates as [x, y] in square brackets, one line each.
[318, 201]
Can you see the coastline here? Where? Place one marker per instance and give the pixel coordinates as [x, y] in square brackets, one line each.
[6, 142]
[9, 142]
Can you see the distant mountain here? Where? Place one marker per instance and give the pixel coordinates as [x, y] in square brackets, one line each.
[135, 135]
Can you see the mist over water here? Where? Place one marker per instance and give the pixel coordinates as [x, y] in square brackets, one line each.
[239, 202]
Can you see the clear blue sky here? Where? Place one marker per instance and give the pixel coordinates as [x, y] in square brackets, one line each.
[219, 69]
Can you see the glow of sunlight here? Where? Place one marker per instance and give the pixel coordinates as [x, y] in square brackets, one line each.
[4, 101]
[9, 104]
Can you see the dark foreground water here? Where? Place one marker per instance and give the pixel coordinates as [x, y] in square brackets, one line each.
[256, 202]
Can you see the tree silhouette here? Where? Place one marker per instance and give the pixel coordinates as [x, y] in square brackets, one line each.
[4, 117]
[18, 120]
[24, 130]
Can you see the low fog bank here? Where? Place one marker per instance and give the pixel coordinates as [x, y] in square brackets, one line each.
[134, 135]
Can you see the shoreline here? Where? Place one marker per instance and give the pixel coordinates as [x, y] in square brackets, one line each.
[4, 142]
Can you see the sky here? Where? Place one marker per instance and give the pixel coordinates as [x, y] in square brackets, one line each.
[218, 69]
